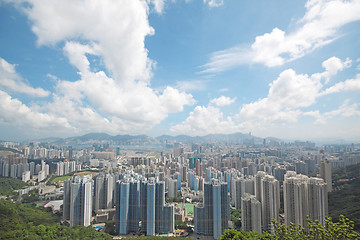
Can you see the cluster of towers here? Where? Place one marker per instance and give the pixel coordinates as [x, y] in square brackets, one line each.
[211, 217]
[304, 196]
[260, 200]
[259, 209]
[19, 167]
[64, 168]
[139, 202]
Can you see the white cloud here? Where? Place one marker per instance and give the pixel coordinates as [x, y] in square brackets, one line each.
[158, 5]
[345, 110]
[118, 28]
[9, 79]
[318, 27]
[289, 92]
[348, 85]
[288, 95]
[114, 31]
[195, 85]
[206, 120]
[214, 3]
[13, 112]
[222, 101]
[223, 90]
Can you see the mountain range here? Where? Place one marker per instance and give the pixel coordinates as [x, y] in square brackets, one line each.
[236, 138]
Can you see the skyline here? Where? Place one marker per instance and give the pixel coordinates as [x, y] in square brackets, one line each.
[180, 67]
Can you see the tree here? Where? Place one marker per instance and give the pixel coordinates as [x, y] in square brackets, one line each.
[342, 230]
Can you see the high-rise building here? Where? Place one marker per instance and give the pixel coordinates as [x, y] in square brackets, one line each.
[173, 188]
[103, 191]
[78, 200]
[325, 173]
[122, 207]
[150, 209]
[304, 196]
[250, 213]
[257, 184]
[211, 217]
[295, 198]
[318, 200]
[270, 202]
[236, 193]
[140, 200]
[134, 204]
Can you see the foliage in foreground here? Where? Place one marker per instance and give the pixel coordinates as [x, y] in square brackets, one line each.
[24, 221]
[342, 230]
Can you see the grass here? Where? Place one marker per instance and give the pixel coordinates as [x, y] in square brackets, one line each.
[189, 208]
[61, 178]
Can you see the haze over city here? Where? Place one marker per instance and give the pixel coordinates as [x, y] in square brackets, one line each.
[285, 69]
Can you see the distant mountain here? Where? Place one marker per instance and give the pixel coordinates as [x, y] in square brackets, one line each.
[91, 138]
[235, 138]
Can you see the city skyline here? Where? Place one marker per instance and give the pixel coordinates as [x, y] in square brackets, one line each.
[180, 67]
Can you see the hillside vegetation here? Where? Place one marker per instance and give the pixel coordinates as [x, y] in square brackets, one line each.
[345, 199]
[8, 185]
[24, 221]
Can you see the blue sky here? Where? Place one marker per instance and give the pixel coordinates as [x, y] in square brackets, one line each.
[286, 69]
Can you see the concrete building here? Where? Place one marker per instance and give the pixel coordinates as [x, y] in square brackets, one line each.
[251, 213]
[270, 202]
[295, 198]
[211, 217]
[304, 196]
[325, 173]
[103, 191]
[140, 200]
[78, 200]
[318, 199]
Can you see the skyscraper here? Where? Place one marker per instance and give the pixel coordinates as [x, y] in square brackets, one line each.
[270, 202]
[140, 200]
[122, 207]
[211, 217]
[295, 198]
[78, 200]
[318, 200]
[250, 213]
[325, 173]
[150, 209]
[103, 191]
[304, 196]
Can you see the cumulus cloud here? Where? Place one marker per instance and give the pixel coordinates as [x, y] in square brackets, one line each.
[118, 98]
[214, 3]
[348, 85]
[288, 95]
[118, 28]
[206, 120]
[9, 79]
[345, 110]
[15, 112]
[291, 92]
[318, 27]
[222, 101]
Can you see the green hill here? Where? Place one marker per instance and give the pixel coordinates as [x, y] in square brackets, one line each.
[24, 221]
[9, 150]
[345, 198]
[8, 185]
